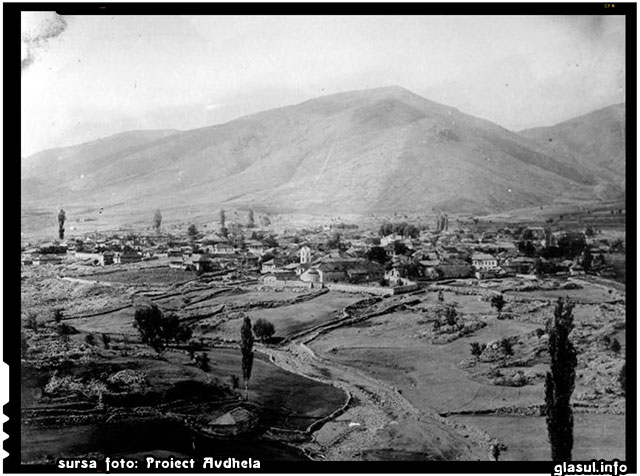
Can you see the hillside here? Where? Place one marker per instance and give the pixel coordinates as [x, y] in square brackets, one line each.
[595, 141]
[379, 150]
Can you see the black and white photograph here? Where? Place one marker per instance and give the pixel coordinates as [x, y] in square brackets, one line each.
[260, 241]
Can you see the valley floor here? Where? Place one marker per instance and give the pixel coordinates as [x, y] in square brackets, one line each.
[348, 377]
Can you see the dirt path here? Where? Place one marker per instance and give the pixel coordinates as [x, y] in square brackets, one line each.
[379, 417]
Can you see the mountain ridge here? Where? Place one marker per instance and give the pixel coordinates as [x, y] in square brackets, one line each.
[378, 150]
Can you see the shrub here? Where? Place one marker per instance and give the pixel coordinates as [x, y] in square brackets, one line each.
[90, 339]
[106, 340]
[202, 361]
[506, 347]
[476, 349]
[263, 329]
[58, 315]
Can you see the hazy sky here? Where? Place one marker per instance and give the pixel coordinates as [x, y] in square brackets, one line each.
[86, 77]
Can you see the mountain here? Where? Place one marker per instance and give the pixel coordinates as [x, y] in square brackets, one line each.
[595, 142]
[379, 150]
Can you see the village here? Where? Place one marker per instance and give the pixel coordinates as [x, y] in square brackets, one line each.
[375, 332]
[394, 258]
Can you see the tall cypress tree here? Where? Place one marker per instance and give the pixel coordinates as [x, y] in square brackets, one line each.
[560, 382]
[246, 347]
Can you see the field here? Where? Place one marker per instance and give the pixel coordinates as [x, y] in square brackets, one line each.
[399, 349]
[595, 436]
[404, 350]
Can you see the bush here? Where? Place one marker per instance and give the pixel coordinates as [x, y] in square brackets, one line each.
[65, 330]
[506, 347]
[105, 340]
[202, 361]
[58, 315]
[263, 329]
[90, 339]
[476, 349]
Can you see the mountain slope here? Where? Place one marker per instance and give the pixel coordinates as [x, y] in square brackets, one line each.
[379, 150]
[595, 141]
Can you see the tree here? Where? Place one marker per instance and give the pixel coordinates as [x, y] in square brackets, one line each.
[32, 322]
[90, 339]
[250, 219]
[334, 242]
[527, 248]
[399, 248]
[560, 382]
[202, 361]
[62, 216]
[223, 219]
[506, 347]
[105, 340]
[64, 331]
[495, 451]
[498, 302]
[477, 349]
[263, 329]
[246, 347]
[157, 221]
[192, 231]
[57, 315]
[377, 254]
[587, 260]
[440, 296]
[158, 330]
[615, 346]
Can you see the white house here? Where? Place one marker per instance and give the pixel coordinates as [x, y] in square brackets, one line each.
[484, 261]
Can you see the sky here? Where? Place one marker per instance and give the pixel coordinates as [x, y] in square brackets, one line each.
[86, 77]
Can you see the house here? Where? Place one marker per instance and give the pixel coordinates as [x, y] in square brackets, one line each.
[46, 259]
[521, 265]
[201, 262]
[395, 278]
[490, 273]
[345, 270]
[106, 258]
[454, 270]
[576, 270]
[312, 275]
[127, 257]
[483, 261]
[223, 248]
[278, 278]
[256, 247]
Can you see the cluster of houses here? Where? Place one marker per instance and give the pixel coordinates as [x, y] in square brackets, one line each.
[322, 256]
